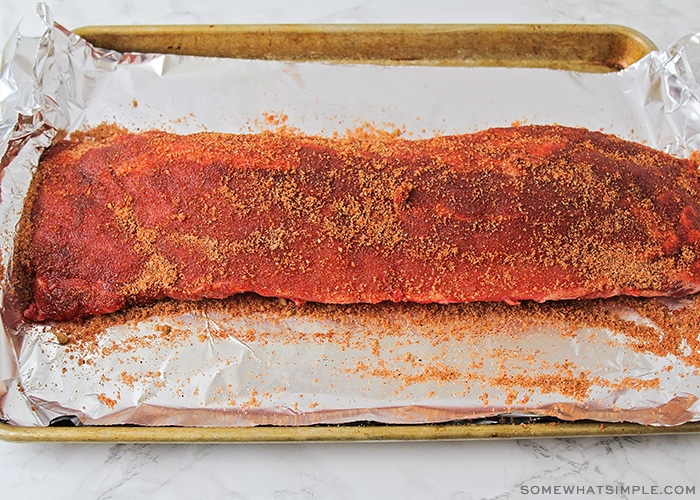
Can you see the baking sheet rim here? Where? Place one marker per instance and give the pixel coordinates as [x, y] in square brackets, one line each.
[333, 43]
[335, 433]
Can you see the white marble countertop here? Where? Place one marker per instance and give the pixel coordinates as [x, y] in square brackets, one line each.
[540, 468]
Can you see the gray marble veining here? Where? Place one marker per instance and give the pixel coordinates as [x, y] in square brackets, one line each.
[454, 470]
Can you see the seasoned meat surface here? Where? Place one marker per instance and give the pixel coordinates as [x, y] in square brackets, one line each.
[508, 214]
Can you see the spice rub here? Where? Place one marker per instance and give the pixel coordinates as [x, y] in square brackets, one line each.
[511, 214]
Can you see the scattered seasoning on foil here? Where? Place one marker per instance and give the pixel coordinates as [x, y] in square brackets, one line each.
[467, 322]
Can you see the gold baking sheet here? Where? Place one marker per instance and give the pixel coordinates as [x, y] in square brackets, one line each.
[598, 48]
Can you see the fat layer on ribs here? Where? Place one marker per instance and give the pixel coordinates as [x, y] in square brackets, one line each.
[508, 214]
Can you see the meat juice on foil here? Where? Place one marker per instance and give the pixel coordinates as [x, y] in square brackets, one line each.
[251, 360]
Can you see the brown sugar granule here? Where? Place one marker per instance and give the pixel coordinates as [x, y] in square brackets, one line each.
[61, 337]
[523, 213]
[111, 403]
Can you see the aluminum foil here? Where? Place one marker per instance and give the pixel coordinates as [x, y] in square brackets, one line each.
[250, 361]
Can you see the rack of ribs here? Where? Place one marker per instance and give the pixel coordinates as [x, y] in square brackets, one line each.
[507, 214]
